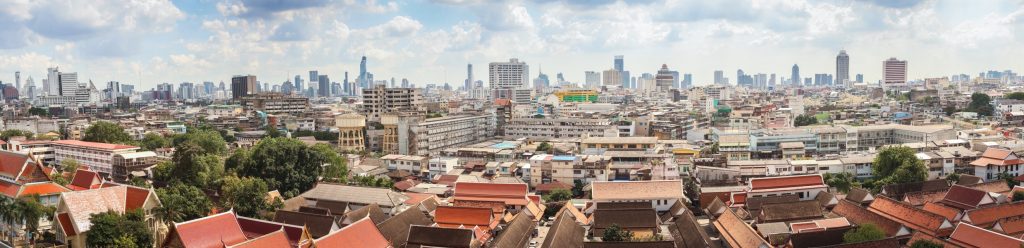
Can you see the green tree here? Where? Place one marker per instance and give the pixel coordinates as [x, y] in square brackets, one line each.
[7, 134]
[286, 164]
[193, 166]
[616, 233]
[210, 140]
[898, 164]
[30, 210]
[558, 195]
[544, 147]
[153, 141]
[182, 202]
[577, 188]
[272, 132]
[69, 165]
[109, 227]
[247, 196]
[106, 132]
[841, 181]
[39, 112]
[981, 103]
[925, 244]
[949, 110]
[805, 120]
[863, 233]
[1009, 179]
[1015, 96]
[953, 178]
[336, 169]
[1018, 195]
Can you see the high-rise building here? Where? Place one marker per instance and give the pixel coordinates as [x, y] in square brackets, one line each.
[593, 79]
[68, 84]
[720, 78]
[323, 88]
[469, 78]
[687, 81]
[405, 83]
[298, 83]
[17, 81]
[541, 81]
[842, 68]
[509, 75]
[860, 78]
[364, 80]
[894, 72]
[50, 84]
[619, 63]
[665, 80]
[795, 76]
[612, 77]
[243, 86]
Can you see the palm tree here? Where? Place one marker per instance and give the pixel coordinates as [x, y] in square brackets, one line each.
[31, 211]
[6, 214]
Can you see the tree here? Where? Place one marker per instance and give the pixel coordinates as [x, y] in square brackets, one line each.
[38, 111]
[558, 195]
[286, 164]
[1018, 195]
[247, 196]
[577, 188]
[7, 134]
[616, 233]
[898, 164]
[272, 132]
[805, 120]
[953, 178]
[1015, 96]
[30, 211]
[191, 165]
[925, 244]
[336, 169]
[182, 202]
[841, 181]
[544, 146]
[1010, 180]
[863, 233]
[69, 165]
[153, 141]
[106, 132]
[210, 140]
[110, 227]
[949, 110]
[981, 103]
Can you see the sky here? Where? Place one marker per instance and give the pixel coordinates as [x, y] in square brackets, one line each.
[147, 42]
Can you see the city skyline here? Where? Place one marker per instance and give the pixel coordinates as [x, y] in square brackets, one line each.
[178, 41]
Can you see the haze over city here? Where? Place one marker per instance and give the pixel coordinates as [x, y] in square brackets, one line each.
[151, 42]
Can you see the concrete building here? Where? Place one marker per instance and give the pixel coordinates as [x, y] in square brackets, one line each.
[351, 132]
[843, 69]
[275, 103]
[380, 100]
[546, 168]
[504, 76]
[611, 78]
[98, 157]
[408, 134]
[666, 79]
[894, 72]
[243, 86]
[561, 128]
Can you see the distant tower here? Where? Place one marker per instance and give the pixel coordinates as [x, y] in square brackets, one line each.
[619, 63]
[363, 80]
[894, 72]
[795, 77]
[469, 77]
[842, 68]
[17, 80]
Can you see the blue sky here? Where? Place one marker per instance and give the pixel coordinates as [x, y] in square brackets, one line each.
[146, 42]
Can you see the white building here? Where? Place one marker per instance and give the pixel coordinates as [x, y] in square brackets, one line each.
[806, 187]
[661, 193]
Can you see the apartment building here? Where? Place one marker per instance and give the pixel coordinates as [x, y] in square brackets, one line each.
[379, 100]
[414, 135]
[98, 157]
[865, 138]
[275, 103]
[417, 165]
[546, 168]
[559, 128]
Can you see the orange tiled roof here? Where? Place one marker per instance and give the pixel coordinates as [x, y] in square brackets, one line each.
[987, 216]
[914, 218]
[12, 163]
[737, 233]
[859, 215]
[948, 212]
[85, 179]
[94, 145]
[786, 182]
[362, 233]
[1013, 226]
[966, 198]
[996, 156]
[210, 231]
[274, 239]
[42, 189]
[967, 235]
[509, 193]
[468, 216]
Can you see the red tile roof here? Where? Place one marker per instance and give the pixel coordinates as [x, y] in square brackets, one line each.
[510, 193]
[64, 220]
[274, 239]
[765, 183]
[361, 234]
[948, 212]
[1013, 226]
[987, 216]
[254, 228]
[468, 216]
[966, 198]
[210, 231]
[737, 233]
[42, 189]
[94, 145]
[911, 217]
[9, 189]
[12, 163]
[967, 235]
[135, 197]
[85, 179]
[998, 157]
[415, 198]
[860, 216]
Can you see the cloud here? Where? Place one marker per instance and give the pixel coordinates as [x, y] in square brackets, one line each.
[897, 4]
[505, 17]
[397, 27]
[265, 8]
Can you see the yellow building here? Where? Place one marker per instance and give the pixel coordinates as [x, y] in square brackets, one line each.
[351, 128]
[577, 95]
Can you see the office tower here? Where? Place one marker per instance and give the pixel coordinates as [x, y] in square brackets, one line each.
[760, 81]
[313, 77]
[222, 87]
[842, 68]
[795, 76]
[740, 79]
[17, 80]
[208, 88]
[541, 81]
[894, 71]
[619, 65]
[508, 75]
[593, 79]
[298, 83]
[560, 78]
[323, 88]
[50, 84]
[185, 91]
[860, 78]
[771, 80]
[611, 77]
[687, 81]
[113, 90]
[405, 83]
[807, 81]
[469, 78]
[720, 78]
[243, 86]
[364, 80]
[266, 87]
[665, 79]
[68, 84]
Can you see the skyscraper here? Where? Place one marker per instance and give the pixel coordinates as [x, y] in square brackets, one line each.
[593, 79]
[894, 72]
[842, 68]
[243, 86]
[860, 78]
[720, 77]
[50, 84]
[298, 84]
[68, 85]
[313, 77]
[612, 78]
[687, 81]
[323, 88]
[469, 78]
[795, 76]
[17, 81]
[619, 63]
[364, 81]
[508, 75]
[665, 79]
